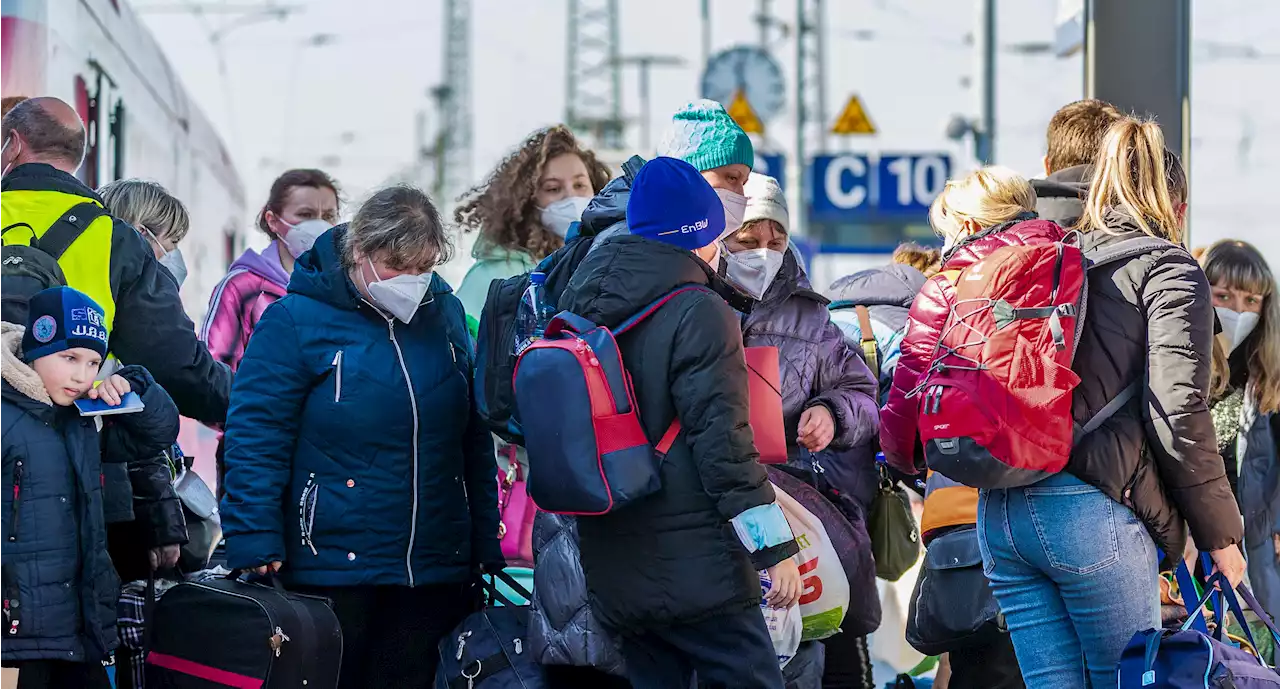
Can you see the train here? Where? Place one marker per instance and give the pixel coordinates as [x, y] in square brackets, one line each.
[100, 57]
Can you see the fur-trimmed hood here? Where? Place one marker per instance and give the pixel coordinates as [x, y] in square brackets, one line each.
[17, 373]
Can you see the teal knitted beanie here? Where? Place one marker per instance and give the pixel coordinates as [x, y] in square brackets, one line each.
[703, 135]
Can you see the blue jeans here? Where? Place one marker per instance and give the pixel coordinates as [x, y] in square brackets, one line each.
[1075, 574]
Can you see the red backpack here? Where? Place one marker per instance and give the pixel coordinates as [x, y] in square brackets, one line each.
[995, 401]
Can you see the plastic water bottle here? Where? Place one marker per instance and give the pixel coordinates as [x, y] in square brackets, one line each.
[534, 314]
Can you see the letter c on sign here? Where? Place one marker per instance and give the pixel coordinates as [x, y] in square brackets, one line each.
[840, 197]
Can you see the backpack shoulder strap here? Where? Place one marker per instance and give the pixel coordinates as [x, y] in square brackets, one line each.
[1109, 410]
[673, 431]
[67, 229]
[1126, 249]
[653, 307]
[869, 349]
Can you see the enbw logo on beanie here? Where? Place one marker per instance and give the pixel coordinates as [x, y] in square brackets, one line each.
[686, 229]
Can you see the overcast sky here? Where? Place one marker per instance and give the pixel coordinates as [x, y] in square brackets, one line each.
[352, 101]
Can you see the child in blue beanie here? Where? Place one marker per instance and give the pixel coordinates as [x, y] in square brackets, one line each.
[59, 587]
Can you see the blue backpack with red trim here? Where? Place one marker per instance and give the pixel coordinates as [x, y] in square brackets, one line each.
[588, 452]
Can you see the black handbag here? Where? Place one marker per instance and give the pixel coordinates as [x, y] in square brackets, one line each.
[952, 607]
[895, 536]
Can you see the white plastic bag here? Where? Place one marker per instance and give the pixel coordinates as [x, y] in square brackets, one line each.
[825, 597]
[785, 626]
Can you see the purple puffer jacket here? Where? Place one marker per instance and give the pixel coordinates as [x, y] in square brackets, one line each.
[819, 366]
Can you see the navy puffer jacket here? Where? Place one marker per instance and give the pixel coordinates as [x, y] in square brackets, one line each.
[562, 628]
[60, 590]
[354, 453]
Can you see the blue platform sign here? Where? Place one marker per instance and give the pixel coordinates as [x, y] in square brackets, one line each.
[867, 187]
[774, 165]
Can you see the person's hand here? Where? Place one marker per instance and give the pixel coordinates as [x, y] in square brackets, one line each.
[1275, 544]
[273, 567]
[164, 557]
[786, 585]
[1230, 562]
[817, 428]
[112, 390]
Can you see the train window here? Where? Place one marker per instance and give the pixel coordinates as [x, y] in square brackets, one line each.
[228, 246]
[88, 172]
[117, 141]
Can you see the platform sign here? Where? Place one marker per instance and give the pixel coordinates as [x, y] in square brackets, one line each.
[742, 113]
[862, 186]
[772, 164]
[853, 119]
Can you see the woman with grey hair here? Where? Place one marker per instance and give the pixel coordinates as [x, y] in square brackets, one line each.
[357, 465]
[159, 217]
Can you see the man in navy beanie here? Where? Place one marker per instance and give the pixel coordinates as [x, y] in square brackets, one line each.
[679, 575]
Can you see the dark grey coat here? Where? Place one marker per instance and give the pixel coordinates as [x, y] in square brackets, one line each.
[1151, 319]
[1060, 196]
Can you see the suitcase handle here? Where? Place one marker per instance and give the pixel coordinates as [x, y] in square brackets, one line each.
[272, 577]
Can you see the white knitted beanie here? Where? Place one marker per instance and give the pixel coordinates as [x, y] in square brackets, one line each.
[765, 201]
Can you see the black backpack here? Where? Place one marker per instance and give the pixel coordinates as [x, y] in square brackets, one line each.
[495, 340]
[30, 268]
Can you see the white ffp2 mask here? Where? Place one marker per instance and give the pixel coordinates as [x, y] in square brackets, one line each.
[558, 216]
[302, 236]
[735, 209]
[400, 295]
[753, 270]
[1236, 326]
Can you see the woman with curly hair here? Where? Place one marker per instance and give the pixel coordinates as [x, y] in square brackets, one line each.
[525, 208]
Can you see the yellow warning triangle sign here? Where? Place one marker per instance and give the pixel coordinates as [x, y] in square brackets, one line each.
[854, 119]
[742, 113]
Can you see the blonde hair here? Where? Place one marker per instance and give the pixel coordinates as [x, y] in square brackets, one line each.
[988, 196]
[1131, 174]
[927, 260]
[1239, 265]
[146, 203]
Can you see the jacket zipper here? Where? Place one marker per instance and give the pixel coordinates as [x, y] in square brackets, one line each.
[307, 512]
[266, 681]
[14, 510]
[12, 607]
[413, 406]
[337, 380]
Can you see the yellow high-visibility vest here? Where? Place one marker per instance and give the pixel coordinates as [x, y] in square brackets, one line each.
[87, 262]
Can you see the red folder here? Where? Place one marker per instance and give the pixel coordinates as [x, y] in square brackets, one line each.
[765, 386]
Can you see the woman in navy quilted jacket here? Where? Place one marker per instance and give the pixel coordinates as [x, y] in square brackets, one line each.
[357, 466]
[828, 393]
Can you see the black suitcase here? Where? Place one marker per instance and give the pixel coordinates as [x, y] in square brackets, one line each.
[230, 633]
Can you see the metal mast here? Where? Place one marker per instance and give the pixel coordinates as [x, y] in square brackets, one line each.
[811, 97]
[593, 73]
[454, 168]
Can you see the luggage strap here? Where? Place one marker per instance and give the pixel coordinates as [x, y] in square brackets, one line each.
[65, 230]
[477, 671]
[869, 351]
